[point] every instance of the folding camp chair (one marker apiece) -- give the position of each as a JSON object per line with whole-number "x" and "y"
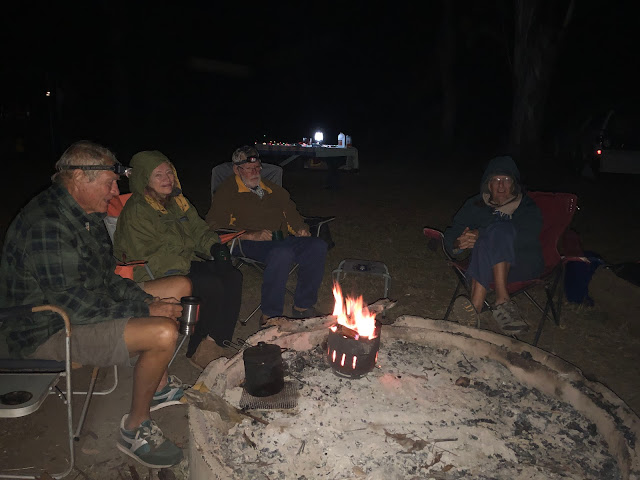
{"x": 557, "y": 211}
{"x": 26, "y": 383}
{"x": 318, "y": 226}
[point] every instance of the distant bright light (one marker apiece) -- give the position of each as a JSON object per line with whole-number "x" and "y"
{"x": 598, "y": 152}
{"x": 48, "y": 94}
{"x": 319, "y": 137}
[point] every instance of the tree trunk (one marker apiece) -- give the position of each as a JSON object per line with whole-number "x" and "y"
{"x": 536, "y": 46}
{"x": 447, "y": 53}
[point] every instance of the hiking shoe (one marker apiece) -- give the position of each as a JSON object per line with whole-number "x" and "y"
{"x": 307, "y": 313}
{"x": 171, "y": 394}
{"x": 148, "y": 445}
{"x": 509, "y": 319}
{"x": 463, "y": 312}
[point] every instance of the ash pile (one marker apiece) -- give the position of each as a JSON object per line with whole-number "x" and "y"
{"x": 423, "y": 412}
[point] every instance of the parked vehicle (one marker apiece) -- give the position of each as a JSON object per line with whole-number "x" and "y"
{"x": 617, "y": 146}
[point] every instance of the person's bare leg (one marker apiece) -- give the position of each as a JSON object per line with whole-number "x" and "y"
{"x": 177, "y": 286}
{"x": 154, "y": 340}
{"x": 500, "y": 274}
{"x": 478, "y": 294}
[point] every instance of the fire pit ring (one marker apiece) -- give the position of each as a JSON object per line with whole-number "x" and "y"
{"x": 615, "y": 422}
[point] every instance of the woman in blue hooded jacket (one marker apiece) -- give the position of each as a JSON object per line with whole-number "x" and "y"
{"x": 501, "y": 226}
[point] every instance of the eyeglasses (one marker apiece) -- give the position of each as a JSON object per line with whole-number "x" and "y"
{"x": 505, "y": 180}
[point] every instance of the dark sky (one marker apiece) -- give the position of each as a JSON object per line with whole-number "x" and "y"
{"x": 148, "y": 75}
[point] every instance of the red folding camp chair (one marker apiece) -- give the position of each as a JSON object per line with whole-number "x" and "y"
{"x": 557, "y": 211}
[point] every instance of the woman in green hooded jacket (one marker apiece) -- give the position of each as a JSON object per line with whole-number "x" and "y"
{"x": 159, "y": 225}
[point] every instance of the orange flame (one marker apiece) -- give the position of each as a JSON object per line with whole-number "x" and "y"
{"x": 354, "y": 314}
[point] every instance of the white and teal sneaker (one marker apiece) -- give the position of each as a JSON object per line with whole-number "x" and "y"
{"x": 171, "y": 394}
{"x": 148, "y": 445}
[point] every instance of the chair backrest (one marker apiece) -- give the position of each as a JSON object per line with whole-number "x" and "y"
{"x": 221, "y": 172}
{"x": 557, "y": 212}
{"x": 113, "y": 212}
{"x": 117, "y": 204}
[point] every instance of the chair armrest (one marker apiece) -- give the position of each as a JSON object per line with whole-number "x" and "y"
{"x": 227, "y": 235}
{"x": 575, "y": 259}
{"x": 317, "y": 221}
{"x": 8, "y": 312}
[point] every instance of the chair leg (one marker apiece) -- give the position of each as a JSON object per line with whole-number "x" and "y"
{"x": 455, "y": 294}
{"x": 107, "y": 391}
{"x": 538, "y": 306}
{"x": 85, "y": 406}
{"x": 246, "y": 320}
{"x": 184, "y": 338}
{"x": 549, "y": 305}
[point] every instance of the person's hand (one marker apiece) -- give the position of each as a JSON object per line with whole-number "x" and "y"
{"x": 257, "y": 236}
{"x": 165, "y": 307}
{"x": 467, "y": 239}
{"x": 303, "y": 232}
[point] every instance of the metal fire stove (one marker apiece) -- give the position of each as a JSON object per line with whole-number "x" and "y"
{"x": 351, "y": 355}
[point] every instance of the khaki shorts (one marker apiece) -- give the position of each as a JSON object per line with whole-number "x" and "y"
{"x": 99, "y": 344}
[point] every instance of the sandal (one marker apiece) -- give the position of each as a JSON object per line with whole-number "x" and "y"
{"x": 508, "y": 318}
{"x": 463, "y": 312}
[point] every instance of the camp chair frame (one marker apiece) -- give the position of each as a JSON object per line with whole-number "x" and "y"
{"x": 557, "y": 212}
{"x": 41, "y": 378}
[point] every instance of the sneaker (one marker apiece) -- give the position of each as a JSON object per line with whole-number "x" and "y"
{"x": 463, "y": 312}
{"x": 171, "y": 394}
{"x": 207, "y": 351}
{"x": 307, "y": 313}
{"x": 509, "y": 319}
{"x": 148, "y": 445}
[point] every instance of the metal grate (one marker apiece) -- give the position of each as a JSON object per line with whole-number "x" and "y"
{"x": 285, "y": 399}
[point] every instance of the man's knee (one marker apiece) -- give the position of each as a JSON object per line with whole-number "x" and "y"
{"x": 183, "y": 286}
{"x": 281, "y": 256}
{"x": 150, "y": 334}
{"x": 167, "y": 334}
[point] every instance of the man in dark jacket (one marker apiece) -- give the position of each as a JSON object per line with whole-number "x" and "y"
{"x": 501, "y": 226}
{"x": 276, "y": 234}
{"x": 57, "y": 251}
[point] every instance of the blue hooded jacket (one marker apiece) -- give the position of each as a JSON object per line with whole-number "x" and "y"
{"x": 527, "y": 218}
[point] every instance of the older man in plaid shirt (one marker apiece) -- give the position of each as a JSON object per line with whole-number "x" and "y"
{"x": 57, "y": 251}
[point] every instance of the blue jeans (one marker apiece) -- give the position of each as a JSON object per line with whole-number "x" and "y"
{"x": 495, "y": 245}
{"x": 279, "y": 256}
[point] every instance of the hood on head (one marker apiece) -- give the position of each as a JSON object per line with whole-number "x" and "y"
{"x": 142, "y": 164}
{"x": 501, "y": 166}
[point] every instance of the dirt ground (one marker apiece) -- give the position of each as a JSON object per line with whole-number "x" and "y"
{"x": 380, "y": 213}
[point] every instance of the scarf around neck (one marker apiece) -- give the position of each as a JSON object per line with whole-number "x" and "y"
{"x": 507, "y": 208}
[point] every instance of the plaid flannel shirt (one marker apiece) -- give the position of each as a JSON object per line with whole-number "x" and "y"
{"x": 55, "y": 253}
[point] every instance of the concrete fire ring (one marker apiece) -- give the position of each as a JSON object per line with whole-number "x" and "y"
{"x": 534, "y": 367}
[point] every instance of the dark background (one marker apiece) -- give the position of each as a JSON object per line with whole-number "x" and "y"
{"x": 198, "y": 79}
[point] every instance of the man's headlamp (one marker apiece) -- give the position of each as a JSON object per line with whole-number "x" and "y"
{"x": 117, "y": 168}
{"x": 251, "y": 159}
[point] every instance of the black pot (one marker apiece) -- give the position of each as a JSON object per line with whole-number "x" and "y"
{"x": 263, "y": 370}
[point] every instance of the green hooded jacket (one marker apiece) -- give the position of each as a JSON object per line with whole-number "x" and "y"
{"x": 527, "y": 218}
{"x": 167, "y": 238}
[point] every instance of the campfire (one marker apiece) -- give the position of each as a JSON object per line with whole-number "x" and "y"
{"x": 354, "y": 340}
{"x": 445, "y": 402}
